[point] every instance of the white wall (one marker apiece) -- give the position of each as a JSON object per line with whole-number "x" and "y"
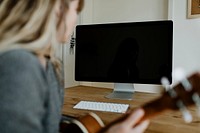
{"x": 69, "y": 65}
{"x": 186, "y": 38}
{"x": 128, "y": 10}
{"x": 102, "y": 11}
{"x": 186, "y": 31}
{"x": 68, "y": 58}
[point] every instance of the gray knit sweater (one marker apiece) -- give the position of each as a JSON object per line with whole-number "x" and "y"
{"x": 30, "y": 96}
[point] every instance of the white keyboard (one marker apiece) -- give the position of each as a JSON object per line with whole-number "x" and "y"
{"x": 102, "y": 106}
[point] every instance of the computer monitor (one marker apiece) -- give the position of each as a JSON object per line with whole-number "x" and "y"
{"x": 124, "y": 54}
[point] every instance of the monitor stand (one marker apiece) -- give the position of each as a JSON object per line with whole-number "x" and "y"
{"x": 122, "y": 91}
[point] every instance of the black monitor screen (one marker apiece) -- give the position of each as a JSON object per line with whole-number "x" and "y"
{"x": 134, "y": 52}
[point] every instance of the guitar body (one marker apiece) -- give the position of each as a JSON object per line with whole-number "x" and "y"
{"x": 89, "y": 123}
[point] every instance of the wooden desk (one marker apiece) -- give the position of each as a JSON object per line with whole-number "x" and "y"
{"x": 168, "y": 122}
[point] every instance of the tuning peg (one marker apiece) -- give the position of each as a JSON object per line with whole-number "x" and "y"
{"x": 186, "y": 114}
{"x": 180, "y": 76}
{"x": 165, "y": 82}
{"x": 196, "y": 100}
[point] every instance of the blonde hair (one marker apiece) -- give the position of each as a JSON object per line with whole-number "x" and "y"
{"x": 30, "y": 25}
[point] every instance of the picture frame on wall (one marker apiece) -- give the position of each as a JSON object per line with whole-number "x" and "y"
{"x": 193, "y": 9}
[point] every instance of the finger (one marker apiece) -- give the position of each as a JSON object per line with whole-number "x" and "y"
{"x": 134, "y": 117}
{"x": 141, "y": 127}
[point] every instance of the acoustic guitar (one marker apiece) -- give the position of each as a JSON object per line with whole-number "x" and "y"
{"x": 185, "y": 93}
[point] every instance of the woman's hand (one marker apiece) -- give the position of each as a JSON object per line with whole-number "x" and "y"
{"x": 129, "y": 124}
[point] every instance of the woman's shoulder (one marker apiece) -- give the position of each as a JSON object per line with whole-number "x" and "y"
{"x": 21, "y": 68}
{"x": 20, "y": 57}
{"x": 20, "y": 61}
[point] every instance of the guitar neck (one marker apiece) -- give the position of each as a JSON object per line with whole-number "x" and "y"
{"x": 154, "y": 108}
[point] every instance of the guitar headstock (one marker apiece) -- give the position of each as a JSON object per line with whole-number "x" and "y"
{"x": 185, "y": 93}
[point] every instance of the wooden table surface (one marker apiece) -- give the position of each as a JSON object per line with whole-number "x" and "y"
{"x": 167, "y": 122}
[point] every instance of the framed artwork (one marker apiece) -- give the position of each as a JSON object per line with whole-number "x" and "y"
{"x": 193, "y": 8}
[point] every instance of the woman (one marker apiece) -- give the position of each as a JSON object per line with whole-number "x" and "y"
{"x": 31, "y": 91}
